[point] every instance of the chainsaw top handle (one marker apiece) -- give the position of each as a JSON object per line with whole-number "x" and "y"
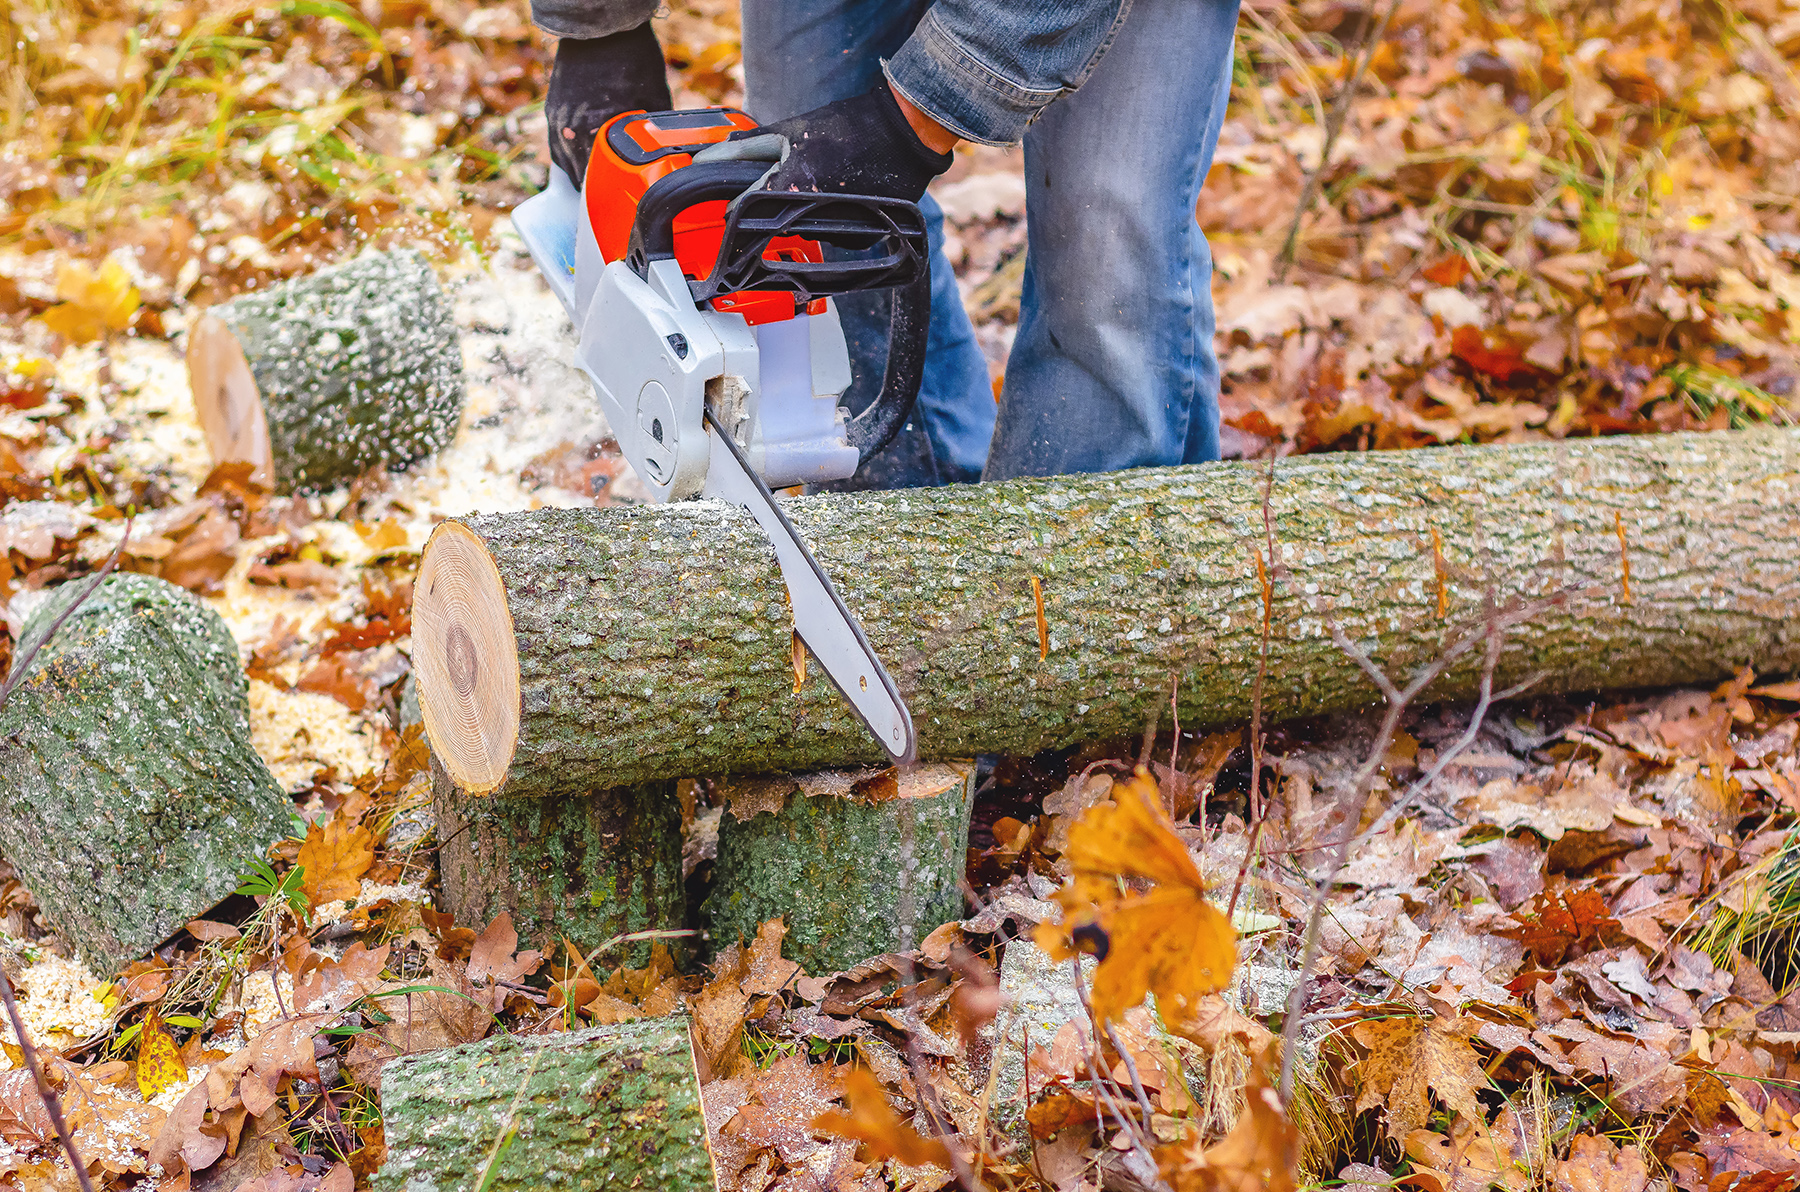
{"x": 882, "y": 241}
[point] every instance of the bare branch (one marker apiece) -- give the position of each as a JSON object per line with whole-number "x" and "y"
{"x": 1492, "y": 631}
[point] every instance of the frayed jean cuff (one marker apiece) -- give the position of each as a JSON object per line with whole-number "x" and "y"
{"x": 950, "y": 83}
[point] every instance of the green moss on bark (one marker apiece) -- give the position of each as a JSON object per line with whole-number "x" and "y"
{"x": 853, "y": 879}
{"x": 358, "y": 365}
{"x": 613, "y": 1107}
{"x": 587, "y": 867}
{"x": 130, "y": 797}
{"x": 654, "y": 642}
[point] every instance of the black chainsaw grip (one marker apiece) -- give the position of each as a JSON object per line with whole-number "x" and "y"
{"x": 653, "y": 232}
{"x": 909, "y": 327}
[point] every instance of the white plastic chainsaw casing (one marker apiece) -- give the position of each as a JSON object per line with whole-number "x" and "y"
{"x": 777, "y": 385}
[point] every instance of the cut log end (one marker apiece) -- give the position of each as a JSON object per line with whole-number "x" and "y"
{"x": 466, "y": 659}
{"x": 226, "y": 399}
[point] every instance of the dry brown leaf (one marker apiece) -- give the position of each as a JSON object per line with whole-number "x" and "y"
{"x": 1167, "y": 940}
{"x": 334, "y": 857}
{"x": 872, "y": 1122}
{"x": 1409, "y": 1058}
{"x": 1596, "y": 1164}
{"x": 1261, "y": 1153}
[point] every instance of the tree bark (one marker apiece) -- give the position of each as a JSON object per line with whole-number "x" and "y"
{"x": 855, "y": 873}
{"x": 318, "y": 379}
{"x": 583, "y": 867}
{"x": 130, "y": 796}
{"x": 653, "y": 642}
{"x": 610, "y": 1107}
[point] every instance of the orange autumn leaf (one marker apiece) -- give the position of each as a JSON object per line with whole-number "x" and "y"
{"x": 334, "y": 858}
{"x": 159, "y": 1063}
{"x": 1167, "y": 940}
{"x": 873, "y": 1122}
{"x": 1260, "y": 1154}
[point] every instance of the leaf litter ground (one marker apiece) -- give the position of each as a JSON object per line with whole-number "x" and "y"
{"x": 1567, "y": 965}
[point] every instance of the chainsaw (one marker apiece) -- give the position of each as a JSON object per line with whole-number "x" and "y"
{"x": 703, "y": 312}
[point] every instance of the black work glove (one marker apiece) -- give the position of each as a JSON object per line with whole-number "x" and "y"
{"x": 593, "y": 80}
{"x": 857, "y": 146}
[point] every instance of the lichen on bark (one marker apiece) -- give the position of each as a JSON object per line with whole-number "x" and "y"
{"x": 852, "y": 878}
{"x": 609, "y": 1107}
{"x": 583, "y": 866}
{"x": 359, "y": 366}
{"x": 654, "y": 642}
{"x": 131, "y": 799}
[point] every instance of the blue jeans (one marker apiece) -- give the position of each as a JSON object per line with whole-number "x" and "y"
{"x": 1113, "y": 365}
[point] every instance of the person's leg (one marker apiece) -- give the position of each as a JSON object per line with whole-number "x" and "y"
{"x": 1113, "y": 365}
{"x": 802, "y": 54}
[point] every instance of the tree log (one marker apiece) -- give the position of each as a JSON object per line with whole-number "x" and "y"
{"x": 855, "y": 872}
{"x": 605, "y": 647}
{"x": 318, "y": 379}
{"x": 585, "y": 867}
{"x": 131, "y": 799}
{"x": 610, "y": 1107}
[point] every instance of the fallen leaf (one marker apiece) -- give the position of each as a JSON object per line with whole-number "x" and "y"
{"x": 1261, "y": 1153}
{"x": 1168, "y": 940}
{"x": 873, "y": 1122}
{"x": 159, "y": 1065}
{"x": 93, "y": 303}
{"x": 1595, "y": 1164}
{"x": 334, "y": 858}
{"x": 1410, "y": 1058}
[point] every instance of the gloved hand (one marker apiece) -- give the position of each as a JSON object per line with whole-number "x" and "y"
{"x": 862, "y": 145}
{"x": 593, "y": 80}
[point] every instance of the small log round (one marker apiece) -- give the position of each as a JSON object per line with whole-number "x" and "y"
{"x": 318, "y": 379}
{"x": 855, "y": 873}
{"x": 131, "y": 798}
{"x": 609, "y": 1107}
{"x": 584, "y": 867}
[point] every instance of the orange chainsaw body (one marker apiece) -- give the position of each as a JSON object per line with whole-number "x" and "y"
{"x": 635, "y": 149}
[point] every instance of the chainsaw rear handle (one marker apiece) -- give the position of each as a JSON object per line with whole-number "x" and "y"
{"x": 889, "y": 235}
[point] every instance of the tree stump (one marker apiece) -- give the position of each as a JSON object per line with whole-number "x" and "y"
{"x": 609, "y": 1107}
{"x": 581, "y": 866}
{"x": 131, "y": 800}
{"x": 318, "y": 379}
{"x": 870, "y": 868}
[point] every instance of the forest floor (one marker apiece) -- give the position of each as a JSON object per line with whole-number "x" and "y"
{"x": 1568, "y": 964}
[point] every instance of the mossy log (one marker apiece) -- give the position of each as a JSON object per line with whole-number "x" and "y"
{"x": 612, "y": 646}
{"x": 610, "y": 1107}
{"x": 131, "y": 799}
{"x": 318, "y": 379}
{"x": 855, "y": 873}
{"x": 583, "y": 867}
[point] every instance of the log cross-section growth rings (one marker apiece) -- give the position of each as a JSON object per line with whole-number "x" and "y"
{"x": 467, "y": 659}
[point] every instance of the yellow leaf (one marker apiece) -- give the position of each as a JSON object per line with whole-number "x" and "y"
{"x": 334, "y": 859}
{"x": 92, "y": 303}
{"x": 159, "y": 1063}
{"x": 1167, "y": 940}
{"x": 386, "y": 536}
{"x": 1408, "y": 1060}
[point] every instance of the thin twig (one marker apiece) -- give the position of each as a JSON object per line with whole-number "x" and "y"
{"x": 1333, "y": 126}
{"x": 1104, "y": 1085}
{"x": 1265, "y": 575}
{"x": 1398, "y": 699}
{"x": 21, "y": 665}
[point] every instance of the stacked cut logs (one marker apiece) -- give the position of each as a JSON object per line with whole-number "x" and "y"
{"x": 571, "y": 652}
